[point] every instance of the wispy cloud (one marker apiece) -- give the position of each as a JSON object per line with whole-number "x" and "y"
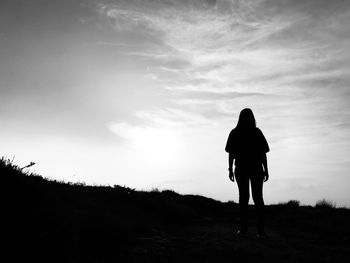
{"x": 218, "y": 56}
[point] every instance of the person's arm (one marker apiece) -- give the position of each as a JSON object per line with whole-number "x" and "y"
{"x": 230, "y": 167}
{"x": 266, "y": 170}
{"x": 230, "y": 161}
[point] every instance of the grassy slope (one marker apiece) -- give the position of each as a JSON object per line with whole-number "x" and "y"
{"x": 52, "y": 221}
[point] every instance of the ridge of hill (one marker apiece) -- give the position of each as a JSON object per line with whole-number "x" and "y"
{"x": 53, "y": 221}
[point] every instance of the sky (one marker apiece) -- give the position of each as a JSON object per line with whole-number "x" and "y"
{"x": 144, "y": 93}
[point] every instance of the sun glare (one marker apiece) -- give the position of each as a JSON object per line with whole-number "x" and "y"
{"x": 157, "y": 146}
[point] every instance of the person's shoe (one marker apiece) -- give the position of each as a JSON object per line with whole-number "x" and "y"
{"x": 261, "y": 235}
{"x": 241, "y": 233}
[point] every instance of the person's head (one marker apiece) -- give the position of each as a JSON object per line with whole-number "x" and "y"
{"x": 246, "y": 119}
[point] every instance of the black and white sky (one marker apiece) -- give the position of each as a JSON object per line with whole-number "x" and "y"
{"x": 143, "y": 93}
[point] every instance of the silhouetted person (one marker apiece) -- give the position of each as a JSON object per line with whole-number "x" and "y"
{"x": 247, "y": 147}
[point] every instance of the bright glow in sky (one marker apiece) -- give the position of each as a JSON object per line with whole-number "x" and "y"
{"x": 144, "y": 93}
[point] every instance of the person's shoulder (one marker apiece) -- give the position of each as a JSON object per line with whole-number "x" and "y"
{"x": 258, "y": 130}
{"x": 233, "y": 131}
{"x": 233, "y": 134}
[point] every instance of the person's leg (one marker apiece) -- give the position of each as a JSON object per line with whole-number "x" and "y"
{"x": 243, "y": 188}
{"x": 257, "y": 182}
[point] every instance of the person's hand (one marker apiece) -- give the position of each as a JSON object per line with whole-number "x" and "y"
{"x": 231, "y": 176}
{"x": 266, "y": 176}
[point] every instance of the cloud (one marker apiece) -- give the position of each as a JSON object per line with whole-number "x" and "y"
{"x": 282, "y": 58}
{"x": 158, "y": 121}
{"x": 172, "y": 117}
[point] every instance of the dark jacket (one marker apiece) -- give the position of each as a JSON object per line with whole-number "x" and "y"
{"x": 247, "y": 146}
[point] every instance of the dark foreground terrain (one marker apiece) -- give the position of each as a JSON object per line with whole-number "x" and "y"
{"x": 58, "y": 222}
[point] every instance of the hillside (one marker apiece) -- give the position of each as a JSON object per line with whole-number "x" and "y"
{"x": 58, "y": 222}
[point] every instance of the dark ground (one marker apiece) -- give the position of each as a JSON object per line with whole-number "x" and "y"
{"x": 57, "y": 222}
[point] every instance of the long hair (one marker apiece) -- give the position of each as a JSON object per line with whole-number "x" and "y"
{"x": 246, "y": 119}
